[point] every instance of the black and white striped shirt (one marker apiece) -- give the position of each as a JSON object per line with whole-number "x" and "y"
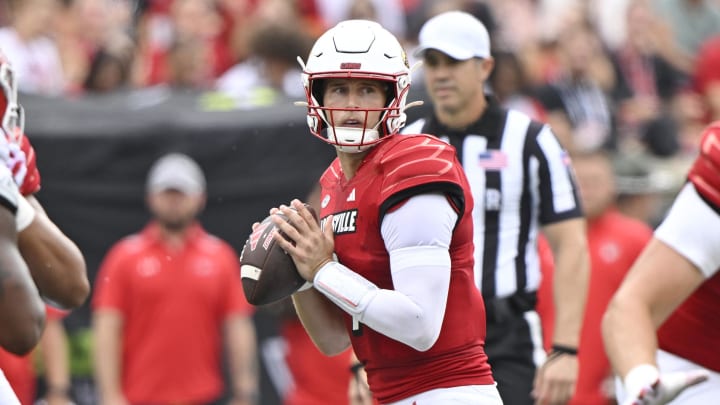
{"x": 521, "y": 179}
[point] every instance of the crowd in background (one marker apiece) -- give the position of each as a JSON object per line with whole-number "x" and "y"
{"x": 640, "y": 78}
{"x": 635, "y": 76}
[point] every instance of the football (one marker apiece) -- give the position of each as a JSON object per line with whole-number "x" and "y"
{"x": 267, "y": 272}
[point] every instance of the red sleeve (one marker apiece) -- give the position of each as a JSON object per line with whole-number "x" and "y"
{"x": 420, "y": 164}
{"x": 704, "y": 172}
{"x": 235, "y": 302}
{"x": 31, "y": 184}
{"x": 110, "y": 283}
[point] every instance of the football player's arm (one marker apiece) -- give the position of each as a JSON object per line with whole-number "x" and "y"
{"x": 412, "y": 313}
{"x": 55, "y": 262}
{"x": 681, "y": 256}
{"x": 322, "y": 320}
{"x": 22, "y": 312}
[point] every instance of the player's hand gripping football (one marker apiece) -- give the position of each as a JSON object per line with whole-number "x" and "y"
{"x": 646, "y": 386}
{"x": 311, "y": 247}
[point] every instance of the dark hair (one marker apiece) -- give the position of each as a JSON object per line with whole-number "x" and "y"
{"x": 101, "y": 61}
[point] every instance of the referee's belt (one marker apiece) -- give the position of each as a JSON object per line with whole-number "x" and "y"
{"x": 499, "y": 310}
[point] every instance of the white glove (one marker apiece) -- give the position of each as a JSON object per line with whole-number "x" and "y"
{"x": 14, "y": 159}
{"x": 646, "y": 386}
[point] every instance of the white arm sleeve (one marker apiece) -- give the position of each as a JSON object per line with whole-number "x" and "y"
{"x": 692, "y": 228}
{"x": 418, "y": 245}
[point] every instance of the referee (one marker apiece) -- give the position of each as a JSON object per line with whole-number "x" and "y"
{"x": 521, "y": 183}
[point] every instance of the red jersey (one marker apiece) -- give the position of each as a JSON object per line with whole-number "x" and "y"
{"x": 614, "y": 242}
{"x": 394, "y": 170}
{"x": 304, "y": 360}
{"x": 693, "y": 330}
{"x": 173, "y": 303}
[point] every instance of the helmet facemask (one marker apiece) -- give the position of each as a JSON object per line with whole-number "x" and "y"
{"x": 13, "y": 118}
{"x": 356, "y": 49}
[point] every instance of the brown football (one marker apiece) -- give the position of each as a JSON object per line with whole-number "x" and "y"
{"x": 267, "y": 272}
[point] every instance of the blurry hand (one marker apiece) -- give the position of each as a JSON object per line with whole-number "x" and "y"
{"x": 646, "y": 386}
{"x": 555, "y": 380}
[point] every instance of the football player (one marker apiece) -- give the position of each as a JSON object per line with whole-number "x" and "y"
{"x": 391, "y": 265}
{"x": 22, "y": 313}
{"x": 674, "y": 283}
{"x": 56, "y": 264}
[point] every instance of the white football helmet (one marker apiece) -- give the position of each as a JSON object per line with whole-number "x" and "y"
{"x": 356, "y": 49}
{"x": 12, "y": 113}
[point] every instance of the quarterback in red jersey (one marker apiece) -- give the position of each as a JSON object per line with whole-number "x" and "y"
{"x": 392, "y": 261}
{"x": 674, "y": 287}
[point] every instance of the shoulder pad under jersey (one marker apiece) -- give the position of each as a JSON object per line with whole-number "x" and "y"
{"x": 413, "y": 160}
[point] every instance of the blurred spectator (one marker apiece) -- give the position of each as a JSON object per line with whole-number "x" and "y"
{"x": 272, "y": 67}
{"x": 27, "y": 43}
{"x": 92, "y": 34}
{"x": 642, "y": 187}
{"x": 519, "y": 28}
{"x": 190, "y": 26}
{"x": 614, "y": 242}
{"x": 108, "y": 71}
{"x": 389, "y": 12}
{"x": 186, "y": 64}
{"x": 509, "y": 85}
{"x": 579, "y": 95}
{"x": 165, "y": 299}
{"x": 706, "y": 78}
{"x": 53, "y": 358}
{"x": 690, "y": 22}
{"x": 647, "y": 83}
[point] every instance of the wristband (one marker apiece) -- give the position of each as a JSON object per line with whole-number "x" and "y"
{"x": 561, "y": 349}
{"x": 24, "y": 215}
{"x": 356, "y": 367}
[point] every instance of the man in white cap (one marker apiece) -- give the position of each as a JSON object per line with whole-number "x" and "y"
{"x": 521, "y": 183}
{"x": 165, "y": 299}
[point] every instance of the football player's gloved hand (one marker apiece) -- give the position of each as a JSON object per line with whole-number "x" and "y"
{"x": 31, "y": 183}
{"x": 14, "y": 158}
{"x": 646, "y": 386}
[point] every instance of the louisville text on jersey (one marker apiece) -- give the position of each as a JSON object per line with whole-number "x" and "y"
{"x": 343, "y": 222}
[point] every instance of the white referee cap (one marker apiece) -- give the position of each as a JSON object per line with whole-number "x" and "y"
{"x": 176, "y": 171}
{"x": 455, "y": 33}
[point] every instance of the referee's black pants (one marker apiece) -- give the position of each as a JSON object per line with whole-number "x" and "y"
{"x": 512, "y": 344}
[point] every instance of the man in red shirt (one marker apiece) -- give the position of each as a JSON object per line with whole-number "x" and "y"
{"x": 614, "y": 242}
{"x": 662, "y": 327}
{"x": 392, "y": 262}
{"x": 164, "y": 300}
